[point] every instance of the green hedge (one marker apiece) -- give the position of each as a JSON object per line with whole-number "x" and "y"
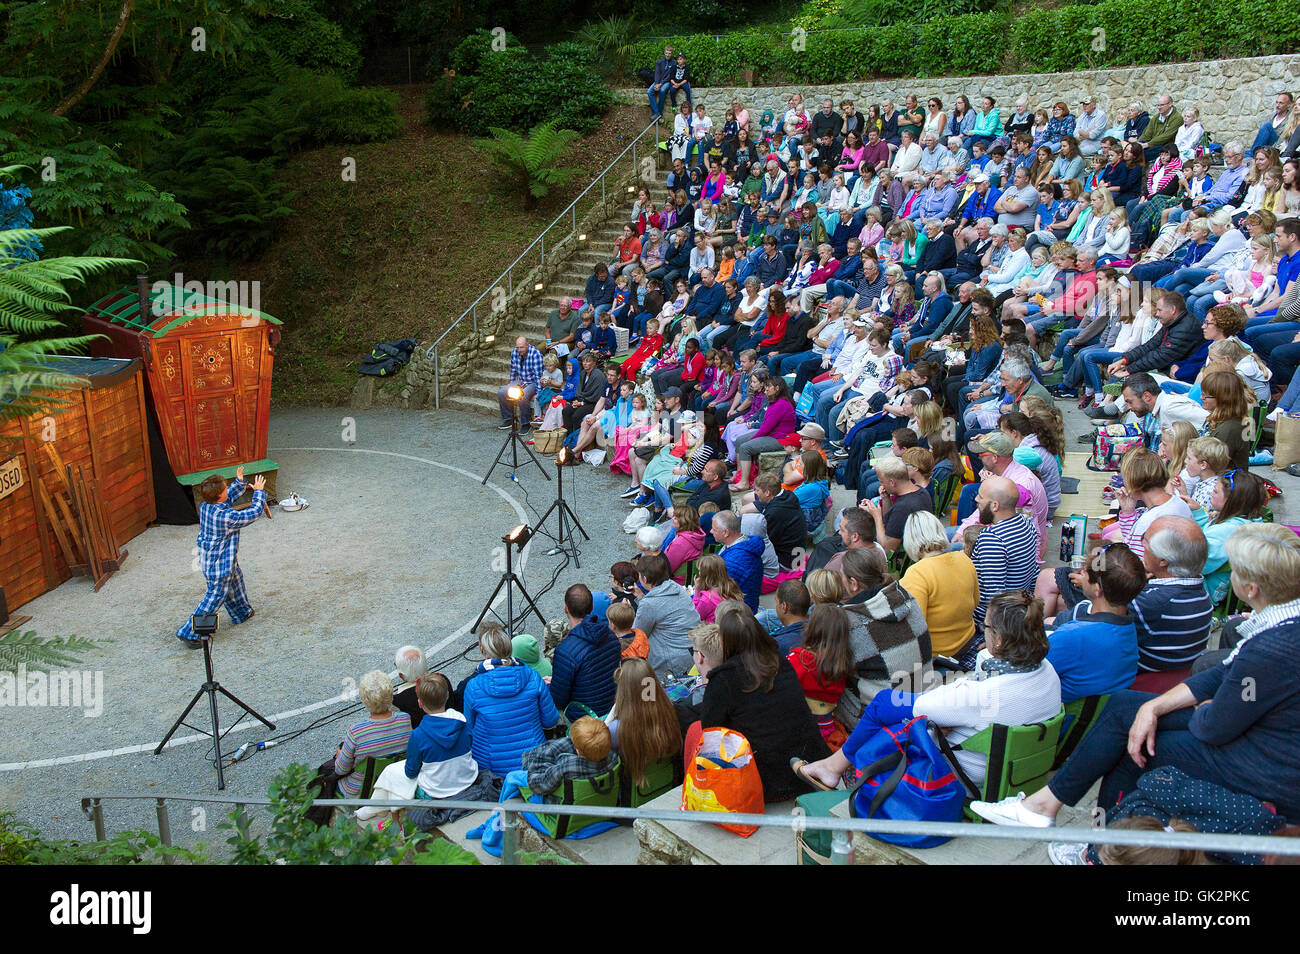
{"x": 1136, "y": 32}
{"x": 514, "y": 89}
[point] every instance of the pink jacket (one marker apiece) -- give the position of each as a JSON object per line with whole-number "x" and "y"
{"x": 706, "y": 604}
{"x": 684, "y": 548}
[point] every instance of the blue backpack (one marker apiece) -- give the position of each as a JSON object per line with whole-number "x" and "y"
{"x": 903, "y": 775}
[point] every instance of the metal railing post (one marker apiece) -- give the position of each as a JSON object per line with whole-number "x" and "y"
{"x": 164, "y": 829}
{"x": 474, "y": 317}
{"x": 95, "y": 809}
{"x": 543, "y": 251}
{"x": 437, "y": 383}
{"x": 509, "y": 838}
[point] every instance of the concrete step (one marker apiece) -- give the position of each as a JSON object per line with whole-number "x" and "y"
{"x": 455, "y": 832}
{"x": 462, "y": 402}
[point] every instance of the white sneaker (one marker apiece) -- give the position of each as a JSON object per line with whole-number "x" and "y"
{"x": 1010, "y": 811}
{"x": 1273, "y": 415}
{"x": 1068, "y": 852}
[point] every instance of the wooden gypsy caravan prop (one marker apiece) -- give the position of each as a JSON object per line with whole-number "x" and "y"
{"x": 209, "y": 361}
{"x": 75, "y": 481}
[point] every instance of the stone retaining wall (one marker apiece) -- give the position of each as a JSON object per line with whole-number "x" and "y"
{"x": 1235, "y": 96}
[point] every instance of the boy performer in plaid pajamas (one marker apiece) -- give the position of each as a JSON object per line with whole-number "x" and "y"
{"x": 218, "y": 543}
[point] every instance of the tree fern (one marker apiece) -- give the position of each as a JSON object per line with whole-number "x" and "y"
{"x": 531, "y": 161}
{"x": 41, "y": 652}
{"x": 33, "y": 301}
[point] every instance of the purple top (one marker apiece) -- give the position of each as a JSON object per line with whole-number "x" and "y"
{"x": 778, "y": 420}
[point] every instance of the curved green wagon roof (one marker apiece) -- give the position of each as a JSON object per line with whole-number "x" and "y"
{"x": 172, "y": 306}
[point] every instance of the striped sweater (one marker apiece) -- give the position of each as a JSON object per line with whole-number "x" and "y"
{"x": 1173, "y": 622}
{"x": 1005, "y": 558}
{"x": 369, "y": 737}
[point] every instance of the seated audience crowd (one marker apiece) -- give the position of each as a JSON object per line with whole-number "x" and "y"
{"x": 899, "y": 307}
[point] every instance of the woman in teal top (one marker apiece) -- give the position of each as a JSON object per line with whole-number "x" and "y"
{"x": 1239, "y": 498}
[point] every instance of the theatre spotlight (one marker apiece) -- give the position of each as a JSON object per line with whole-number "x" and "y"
{"x": 519, "y": 536}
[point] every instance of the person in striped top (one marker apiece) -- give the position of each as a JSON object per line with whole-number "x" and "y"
{"x": 385, "y": 731}
{"x": 1006, "y": 552}
{"x": 1173, "y": 610}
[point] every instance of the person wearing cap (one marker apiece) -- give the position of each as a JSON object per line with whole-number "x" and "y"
{"x": 528, "y": 651}
{"x": 997, "y": 456}
{"x": 1090, "y": 126}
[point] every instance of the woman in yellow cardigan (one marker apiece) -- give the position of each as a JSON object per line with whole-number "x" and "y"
{"x": 943, "y": 583}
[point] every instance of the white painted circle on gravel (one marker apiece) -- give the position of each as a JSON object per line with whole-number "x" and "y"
{"x": 315, "y": 706}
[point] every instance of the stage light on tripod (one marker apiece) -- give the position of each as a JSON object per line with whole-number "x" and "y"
{"x": 514, "y": 393}
{"x": 519, "y": 536}
{"x": 563, "y": 457}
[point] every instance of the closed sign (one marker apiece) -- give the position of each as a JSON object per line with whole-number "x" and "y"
{"x": 11, "y": 476}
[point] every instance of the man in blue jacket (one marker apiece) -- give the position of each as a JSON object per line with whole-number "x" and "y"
{"x": 743, "y": 556}
{"x": 707, "y": 299}
{"x": 582, "y": 669}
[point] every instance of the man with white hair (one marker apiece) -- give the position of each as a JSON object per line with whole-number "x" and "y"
{"x": 937, "y": 201}
{"x": 934, "y": 155}
{"x": 1226, "y": 183}
{"x": 410, "y": 667}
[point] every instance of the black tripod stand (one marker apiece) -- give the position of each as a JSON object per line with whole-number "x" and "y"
{"x": 211, "y": 687}
{"x": 565, "y": 541}
{"x": 519, "y": 536}
{"x": 513, "y": 441}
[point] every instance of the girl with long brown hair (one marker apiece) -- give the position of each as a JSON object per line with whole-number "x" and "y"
{"x": 643, "y": 723}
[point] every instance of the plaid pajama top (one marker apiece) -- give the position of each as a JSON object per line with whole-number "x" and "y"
{"x": 219, "y": 526}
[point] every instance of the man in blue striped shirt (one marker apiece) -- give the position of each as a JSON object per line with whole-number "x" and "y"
{"x": 1173, "y": 610}
{"x": 526, "y": 372}
{"x": 1006, "y": 551}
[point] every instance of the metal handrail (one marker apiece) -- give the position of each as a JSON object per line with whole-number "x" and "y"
{"x": 507, "y": 276}
{"x": 92, "y": 806}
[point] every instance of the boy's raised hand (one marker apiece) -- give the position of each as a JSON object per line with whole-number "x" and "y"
{"x": 259, "y": 482}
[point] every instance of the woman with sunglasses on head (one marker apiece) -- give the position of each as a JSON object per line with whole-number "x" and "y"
{"x": 1225, "y": 395}
{"x": 1238, "y": 498}
{"x": 1012, "y": 669}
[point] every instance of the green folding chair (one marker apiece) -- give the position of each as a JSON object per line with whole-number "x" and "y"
{"x": 660, "y": 777}
{"x": 374, "y": 766}
{"x": 602, "y": 791}
{"x": 1019, "y": 758}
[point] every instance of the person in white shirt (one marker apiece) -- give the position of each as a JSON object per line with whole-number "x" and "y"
{"x": 1190, "y": 133}
{"x": 908, "y": 157}
{"x": 1143, "y": 395}
{"x": 1012, "y": 684}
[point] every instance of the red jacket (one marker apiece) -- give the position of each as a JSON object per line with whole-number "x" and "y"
{"x": 774, "y": 330}
{"x": 693, "y": 367}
